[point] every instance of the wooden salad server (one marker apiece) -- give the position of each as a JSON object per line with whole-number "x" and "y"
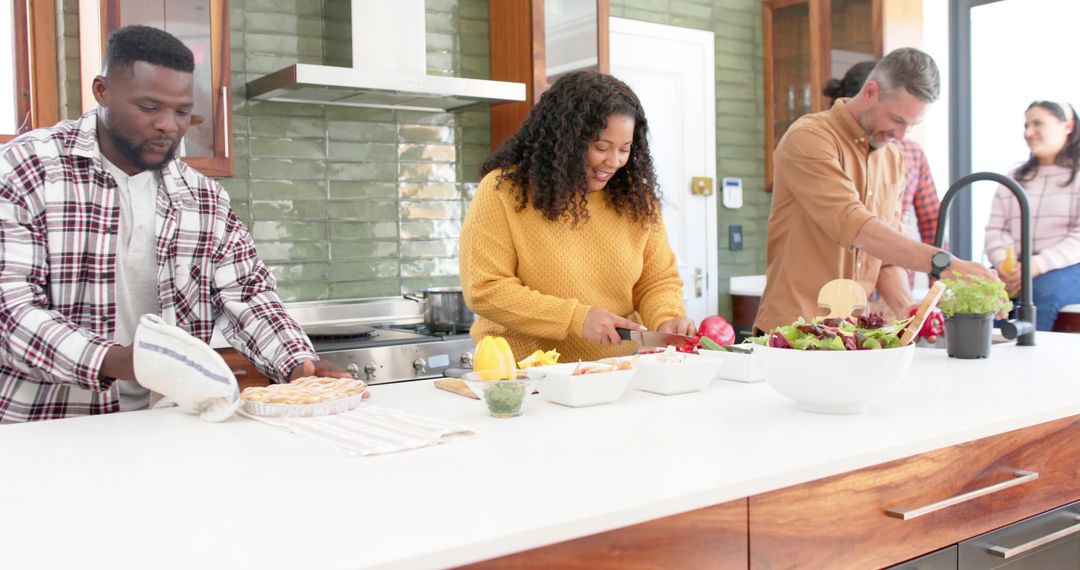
{"x": 841, "y": 297}
{"x": 928, "y": 304}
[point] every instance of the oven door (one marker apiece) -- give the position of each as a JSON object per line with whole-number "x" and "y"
{"x": 1044, "y": 542}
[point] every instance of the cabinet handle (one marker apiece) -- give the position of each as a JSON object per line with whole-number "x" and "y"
{"x": 239, "y": 373}
{"x": 1007, "y": 553}
{"x": 1019, "y": 478}
{"x": 225, "y": 117}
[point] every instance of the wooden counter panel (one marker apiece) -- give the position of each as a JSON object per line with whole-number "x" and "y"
{"x": 840, "y": 522}
{"x": 713, "y": 537}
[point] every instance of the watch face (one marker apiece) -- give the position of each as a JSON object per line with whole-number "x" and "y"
{"x": 941, "y": 260}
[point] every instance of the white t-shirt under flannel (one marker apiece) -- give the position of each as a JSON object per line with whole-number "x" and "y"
{"x": 136, "y": 266}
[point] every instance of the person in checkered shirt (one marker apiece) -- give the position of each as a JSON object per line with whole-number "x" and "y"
{"x": 101, "y": 223}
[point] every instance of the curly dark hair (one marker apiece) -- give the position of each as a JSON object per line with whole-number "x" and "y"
{"x": 545, "y": 158}
{"x": 143, "y": 43}
{"x": 1069, "y": 156}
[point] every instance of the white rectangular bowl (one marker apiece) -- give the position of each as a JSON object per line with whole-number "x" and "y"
{"x": 558, "y": 386}
{"x": 693, "y": 374}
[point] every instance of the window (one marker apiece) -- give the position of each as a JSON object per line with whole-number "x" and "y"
{"x": 1009, "y": 53}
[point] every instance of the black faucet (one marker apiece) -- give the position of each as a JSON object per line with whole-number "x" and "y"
{"x": 1021, "y": 328}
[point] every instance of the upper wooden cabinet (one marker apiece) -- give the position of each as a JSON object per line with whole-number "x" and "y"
{"x": 806, "y": 43}
{"x": 203, "y": 26}
{"x": 521, "y": 34}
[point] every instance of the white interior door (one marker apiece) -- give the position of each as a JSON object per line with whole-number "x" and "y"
{"x": 671, "y": 69}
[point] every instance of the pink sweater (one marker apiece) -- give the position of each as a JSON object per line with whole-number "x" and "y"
{"x": 1055, "y": 220}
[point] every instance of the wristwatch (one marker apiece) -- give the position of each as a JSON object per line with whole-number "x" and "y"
{"x": 939, "y": 263}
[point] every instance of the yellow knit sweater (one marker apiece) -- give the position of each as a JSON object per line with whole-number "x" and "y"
{"x": 533, "y": 280}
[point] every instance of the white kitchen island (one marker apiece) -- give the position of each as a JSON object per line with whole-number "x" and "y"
{"x": 163, "y": 489}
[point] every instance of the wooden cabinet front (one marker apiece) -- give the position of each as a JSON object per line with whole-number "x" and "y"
{"x": 245, "y": 372}
{"x": 843, "y": 521}
{"x": 713, "y": 537}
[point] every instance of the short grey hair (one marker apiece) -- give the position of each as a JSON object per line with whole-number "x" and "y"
{"x": 911, "y": 69}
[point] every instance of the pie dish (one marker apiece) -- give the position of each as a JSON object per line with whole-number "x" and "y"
{"x": 308, "y": 396}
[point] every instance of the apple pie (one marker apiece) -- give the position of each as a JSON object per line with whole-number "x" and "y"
{"x": 307, "y": 390}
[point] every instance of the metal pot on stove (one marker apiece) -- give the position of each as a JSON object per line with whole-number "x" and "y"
{"x": 444, "y": 309}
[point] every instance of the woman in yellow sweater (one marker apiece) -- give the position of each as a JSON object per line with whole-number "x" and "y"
{"x": 564, "y": 241}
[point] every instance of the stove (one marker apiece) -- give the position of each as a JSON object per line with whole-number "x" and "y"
{"x": 383, "y": 344}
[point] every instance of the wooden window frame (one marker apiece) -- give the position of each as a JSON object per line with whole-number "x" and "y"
{"x": 37, "y": 95}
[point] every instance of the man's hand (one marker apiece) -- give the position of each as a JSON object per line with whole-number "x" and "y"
{"x": 323, "y": 368}
{"x": 600, "y": 325}
{"x": 119, "y": 363}
{"x": 968, "y": 268}
{"x": 678, "y": 325}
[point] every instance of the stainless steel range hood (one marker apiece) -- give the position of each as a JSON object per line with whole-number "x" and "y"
{"x": 389, "y": 69}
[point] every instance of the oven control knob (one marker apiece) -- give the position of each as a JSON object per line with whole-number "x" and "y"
{"x": 466, "y": 359}
{"x": 369, "y": 369}
{"x": 419, "y": 365}
{"x": 354, "y": 370}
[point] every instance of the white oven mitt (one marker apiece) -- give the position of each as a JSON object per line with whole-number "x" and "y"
{"x": 184, "y": 370}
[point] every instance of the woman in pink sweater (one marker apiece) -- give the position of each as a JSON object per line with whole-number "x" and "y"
{"x": 1050, "y": 178}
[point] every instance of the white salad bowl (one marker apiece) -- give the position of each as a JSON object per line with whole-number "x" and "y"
{"x": 693, "y": 374}
{"x": 561, "y": 387}
{"x": 834, "y": 381}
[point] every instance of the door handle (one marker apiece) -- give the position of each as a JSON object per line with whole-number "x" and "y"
{"x": 1007, "y": 553}
{"x": 225, "y": 118}
{"x": 698, "y": 278}
{"x": 1019, "y": 478}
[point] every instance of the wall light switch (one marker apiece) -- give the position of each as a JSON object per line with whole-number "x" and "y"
{"x": 735, "y": 238}
{"x": 732, "y": 192}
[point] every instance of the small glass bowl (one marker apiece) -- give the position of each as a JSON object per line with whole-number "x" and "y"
{"x": 504, "y": 391}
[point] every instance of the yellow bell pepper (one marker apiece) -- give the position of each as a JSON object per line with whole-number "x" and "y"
{"x": 493, "y": 353}
{"x": 1009, "y": 265}
{"x": 540, "y": 358}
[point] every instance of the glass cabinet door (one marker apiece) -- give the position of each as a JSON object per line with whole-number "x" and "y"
{"x": 792, "y": 68}
{"x": 852, "y": 34}
{"x": 806, "y": 43}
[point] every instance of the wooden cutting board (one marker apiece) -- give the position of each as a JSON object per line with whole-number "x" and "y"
{"x": 457, "y": 386}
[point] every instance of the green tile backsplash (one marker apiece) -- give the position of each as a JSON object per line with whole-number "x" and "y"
{"x": 353, "y": 202}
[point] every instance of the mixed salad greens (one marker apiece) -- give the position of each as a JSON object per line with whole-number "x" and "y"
{"x": 866, "y": 332}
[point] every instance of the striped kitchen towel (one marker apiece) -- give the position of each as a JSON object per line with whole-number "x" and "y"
{"x": 371, "y": 430}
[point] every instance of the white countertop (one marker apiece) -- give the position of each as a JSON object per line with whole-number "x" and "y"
{"x": 163, "y": 489}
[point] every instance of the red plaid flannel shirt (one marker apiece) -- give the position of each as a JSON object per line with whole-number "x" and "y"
{"x": 59, "y": 215}
{"x": 919, "y": 190}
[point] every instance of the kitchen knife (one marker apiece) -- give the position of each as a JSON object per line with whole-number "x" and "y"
{"x": 655, "y": 339}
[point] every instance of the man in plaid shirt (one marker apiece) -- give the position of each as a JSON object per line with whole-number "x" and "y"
{"x": 99, "y": 222}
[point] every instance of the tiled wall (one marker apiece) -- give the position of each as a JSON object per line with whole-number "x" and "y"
{"x": 740, "y": 136}
{"x": 348, "y": 202}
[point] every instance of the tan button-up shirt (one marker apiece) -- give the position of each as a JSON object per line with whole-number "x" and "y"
{"x": 827, "y": 184}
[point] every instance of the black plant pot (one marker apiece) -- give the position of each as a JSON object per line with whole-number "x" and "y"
{"x": 967, "y": 335}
